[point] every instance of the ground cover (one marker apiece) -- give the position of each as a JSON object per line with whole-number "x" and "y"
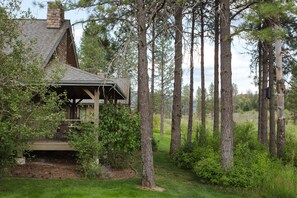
{"x": 176, "y": 182}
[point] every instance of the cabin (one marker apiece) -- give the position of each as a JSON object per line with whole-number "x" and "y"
{"x": 53, "y": 40}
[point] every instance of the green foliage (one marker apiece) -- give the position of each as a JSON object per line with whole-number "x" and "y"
{"x": 85, "y": 140}
{"x": 280, "y": 182}
{"x": 28, "y": 108}
{"x": 96, "y": 49}
{"x": 209, "y": 168}
{"x": 245, "y": 133}
{"x": 250, "y": 167}
{"x": 154, "y": 144}
{"x": 119, "y": 134}
{"x": 290, "y": 157}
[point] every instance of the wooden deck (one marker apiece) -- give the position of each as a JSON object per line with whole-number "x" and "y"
{"x": 50, "y": 145}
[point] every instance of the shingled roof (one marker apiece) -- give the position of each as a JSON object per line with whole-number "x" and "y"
{"x": 45, "y": 40}
{"x": 72, "y": 76}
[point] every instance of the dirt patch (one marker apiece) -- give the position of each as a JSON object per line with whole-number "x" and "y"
{"x": 49, "y": 165}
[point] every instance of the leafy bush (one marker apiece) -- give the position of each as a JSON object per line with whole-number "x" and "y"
{"x": 184, "y": 157}
{"x": 250, "y": 167}
{"x": 246, "y": 134}
{"x": 7, "y": 148}
{"x": 154, "y": 144}
{"x": 119, "y": 134}
{"x": 85, "y": 140}
{"x": 291, "y": 151}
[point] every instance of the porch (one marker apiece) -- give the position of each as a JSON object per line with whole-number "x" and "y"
{"x": 79, "y": 86}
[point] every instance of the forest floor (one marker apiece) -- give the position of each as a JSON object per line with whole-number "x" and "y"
{"x": 60, "y": 165}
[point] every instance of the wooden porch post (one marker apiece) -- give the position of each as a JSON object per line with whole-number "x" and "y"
{"x": 96, "y": 107}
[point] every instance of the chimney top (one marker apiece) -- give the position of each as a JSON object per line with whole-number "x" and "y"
{"x": 55, "y": 15}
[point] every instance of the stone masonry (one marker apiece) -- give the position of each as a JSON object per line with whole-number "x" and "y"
{"x": 55, "y": 15}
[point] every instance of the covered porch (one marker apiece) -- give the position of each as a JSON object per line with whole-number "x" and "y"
{"x": 78, "y": 86}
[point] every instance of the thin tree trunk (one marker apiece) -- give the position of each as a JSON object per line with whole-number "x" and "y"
{"x": 264, "y": 134}
{"x": 190, "y": 120}
{"x": 226, "y": 88}
{"x": 153, "y": 74}
{"x": 272, "y": 149}
{"x": 176, "y": 107}
{"x": 216, "y": 107}
{"x": 202, "y": 138}
{"x": 281, "y": 134}
{"x": 148, "y": 175}
{"x": 259, "y": 90}
{"x": 162, "y": 94}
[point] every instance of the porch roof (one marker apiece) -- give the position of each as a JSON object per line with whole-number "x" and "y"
{"x": 72, "y": 78}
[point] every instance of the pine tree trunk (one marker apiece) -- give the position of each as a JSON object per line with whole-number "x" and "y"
{"x": 259, "y": 90}
{"x": 216, "y": 73}
{"x": 153, "y": 75}
{"x": 202, "y": 138}
{"x": 264, "y": 134}
{"x": 148, "y": 177}
{"x": 176, "y": 107}
{"x": 226, "y": 88}
{"x": 281, "y": 138}
{"x": 190, "y": 120}
{"x": 272, "y": 149}
{"x": 162, "y": 94}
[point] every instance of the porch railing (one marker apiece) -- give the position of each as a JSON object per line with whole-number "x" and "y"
{"x": 63, "y": 129}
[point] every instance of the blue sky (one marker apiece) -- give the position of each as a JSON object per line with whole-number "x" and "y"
{"x": 240, "y": 59}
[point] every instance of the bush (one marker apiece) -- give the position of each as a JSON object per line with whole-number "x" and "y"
{"x": 291, "y": 151}
{"x": 119, "y": 134}
{"x": 250, "y": 167}
{"x": 246, "y": 134}
{"x": 85, "y": 140}
{"x": 184, "y": 157}
{"x": 7, "y": 148}
{"x": 154, "y": 144}
{"x": 209, "y": 168}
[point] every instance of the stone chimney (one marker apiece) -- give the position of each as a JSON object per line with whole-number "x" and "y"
{"x": 55, "y": 15}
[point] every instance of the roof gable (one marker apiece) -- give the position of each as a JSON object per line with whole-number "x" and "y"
{"x": 45, "y": 40}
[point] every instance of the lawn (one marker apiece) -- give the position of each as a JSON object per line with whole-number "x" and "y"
{"x": 176, "y": 182}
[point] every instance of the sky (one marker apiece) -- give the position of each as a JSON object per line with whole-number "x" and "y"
{"x": 240, "y": 59}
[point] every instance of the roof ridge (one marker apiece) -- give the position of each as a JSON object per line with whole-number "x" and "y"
{"x": 88, "y": 73}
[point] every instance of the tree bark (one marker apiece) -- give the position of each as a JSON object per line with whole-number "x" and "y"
{"x": 202, "y": 138}
{"x": 148, "y": 175}
{"x": 216, "y": 107}
{"x": 281, "y": 134}
{"x": 190, "y": 120}
{"x": 272, "y": 149}
{"x": 176, "y": 107}
{"x": 153, "y": 75}
{"x": 259, "y": 90}
{"x": 226, "y": 88}
{"x": 162, "y": 94}
{"x": 264, "y": 134}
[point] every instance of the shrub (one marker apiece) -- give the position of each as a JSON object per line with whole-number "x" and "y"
{"x": 85, "y": 140}
{"x": 154, "y": 144}
{"x": 119, "y": 134}
{"x": 291, "y": 151}
{"x": 184, "y": 157}
{"x": 7, "y": 148}
{"x": 209, "y": 168}
{"x": 246, "y": 134}
{"x": 250, "y": 167}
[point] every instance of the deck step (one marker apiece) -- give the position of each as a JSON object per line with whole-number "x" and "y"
{"x": 50, "y": 146}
